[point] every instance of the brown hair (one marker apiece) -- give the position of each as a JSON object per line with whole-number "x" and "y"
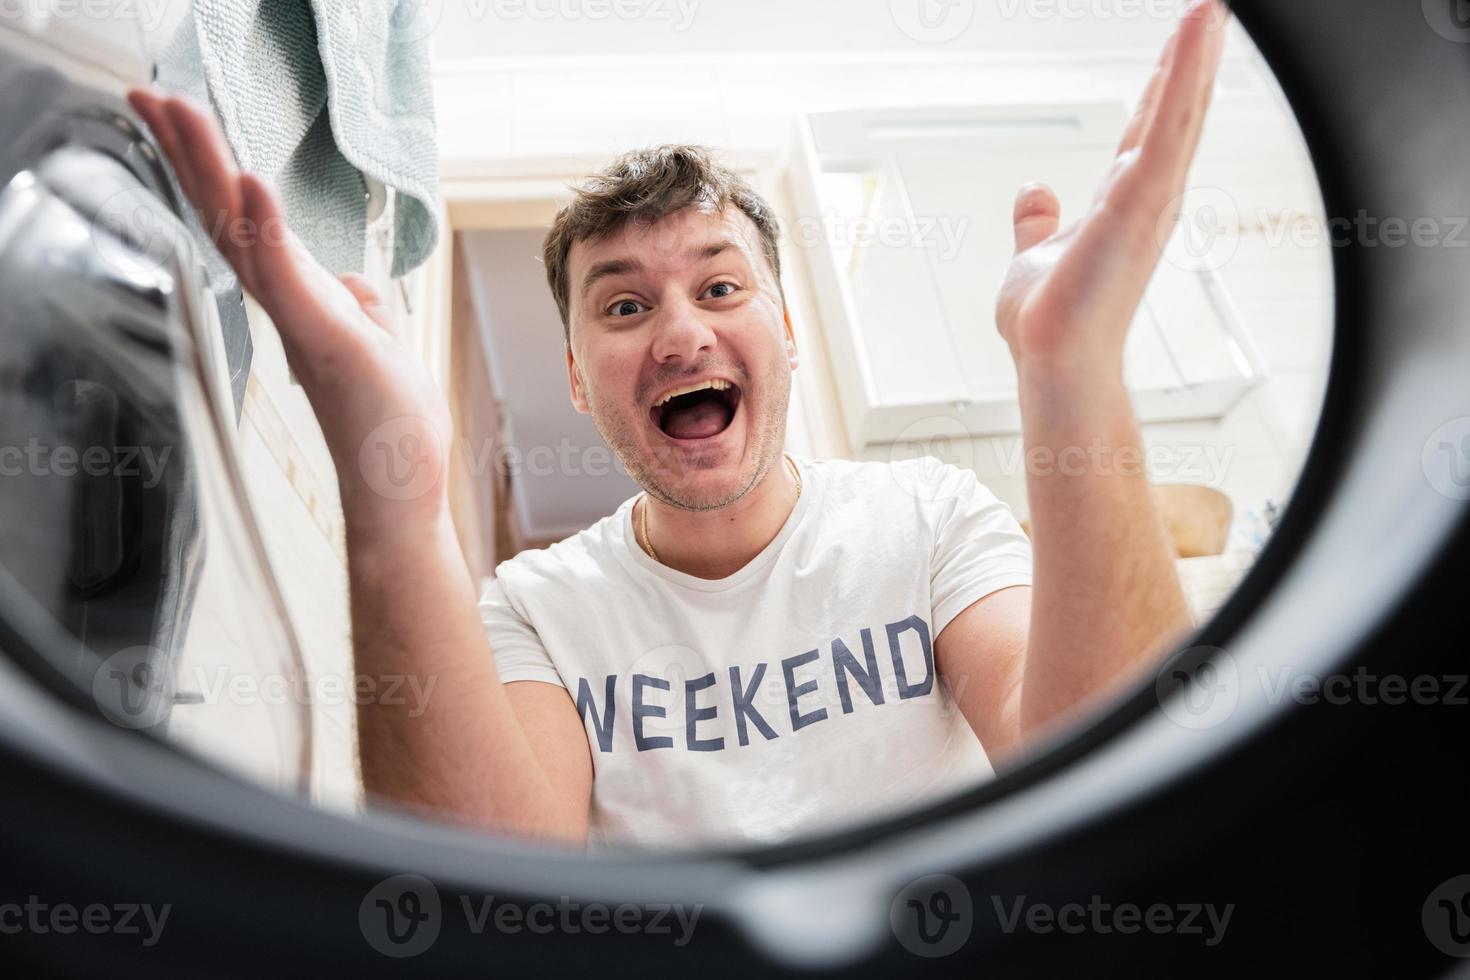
{"x": 649, "y": 185}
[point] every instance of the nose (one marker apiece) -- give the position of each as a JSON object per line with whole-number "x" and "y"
{"x": 681, "y": 332}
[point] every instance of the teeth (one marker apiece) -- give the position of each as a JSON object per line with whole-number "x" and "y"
{"x": 713, "y": 384}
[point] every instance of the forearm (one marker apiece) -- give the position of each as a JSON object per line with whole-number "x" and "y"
{"x": 460, "y": 752}
{"x": 1107, "y": 597}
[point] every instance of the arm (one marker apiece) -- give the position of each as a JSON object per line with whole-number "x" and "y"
{"x": 1106, "y": 598}
{"x": 512, "y": 758}
{"x": 507, "y": 757}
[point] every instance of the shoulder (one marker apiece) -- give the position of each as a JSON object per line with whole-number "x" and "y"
{"x": 587, "y": 557}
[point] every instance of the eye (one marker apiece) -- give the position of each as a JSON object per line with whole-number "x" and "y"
{"x": 721, "y": 289}
{"x": 625, "y": 307}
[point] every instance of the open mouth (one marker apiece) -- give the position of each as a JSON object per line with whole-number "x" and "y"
{"x": 701, "y": 410}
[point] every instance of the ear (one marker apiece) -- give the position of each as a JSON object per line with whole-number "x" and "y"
{"x": 574, "y": 379}
{"x": 791, "y": 355}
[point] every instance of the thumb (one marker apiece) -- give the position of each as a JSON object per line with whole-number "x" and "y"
{"x": 1038, "y": 214}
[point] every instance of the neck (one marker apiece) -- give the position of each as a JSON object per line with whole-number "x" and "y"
{"x": 715, "y": 544}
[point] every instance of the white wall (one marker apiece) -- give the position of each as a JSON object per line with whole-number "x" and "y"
{"x": 649, "y": 29}
{"x": 735, "y": 79}
{"x": 563, "y": 476}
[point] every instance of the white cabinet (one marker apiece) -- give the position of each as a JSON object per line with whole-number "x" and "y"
{"x": 905, "y": 215}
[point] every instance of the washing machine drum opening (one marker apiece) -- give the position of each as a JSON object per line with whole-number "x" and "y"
{"x": 99, "y": 520}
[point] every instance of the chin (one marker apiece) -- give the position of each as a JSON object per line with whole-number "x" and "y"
{"x": 703, "y": 483}
{"x": 693, "y": 466}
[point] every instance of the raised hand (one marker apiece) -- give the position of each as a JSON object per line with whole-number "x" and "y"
{"x": 1069, "y": 296}
{"x": 382, "y": 415}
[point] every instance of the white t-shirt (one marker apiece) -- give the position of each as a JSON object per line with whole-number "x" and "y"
{"x": 798, "y": 694}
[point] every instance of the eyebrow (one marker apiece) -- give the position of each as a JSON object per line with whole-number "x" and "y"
{"x": 622, "y": 267}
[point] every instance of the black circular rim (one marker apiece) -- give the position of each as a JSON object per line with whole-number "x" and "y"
{"x": 1378, "y": 134}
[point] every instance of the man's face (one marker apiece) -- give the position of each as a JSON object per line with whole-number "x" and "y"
{"x": 659, "y": 308}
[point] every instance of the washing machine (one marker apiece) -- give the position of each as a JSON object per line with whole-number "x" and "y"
{"x": 127, "y": 549}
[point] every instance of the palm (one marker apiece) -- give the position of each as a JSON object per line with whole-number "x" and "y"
{"x": 1072, "y": 293}
{"x": 336, "y": 332}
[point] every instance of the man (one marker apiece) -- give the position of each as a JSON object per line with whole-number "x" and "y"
{"x": 757, "y": 646}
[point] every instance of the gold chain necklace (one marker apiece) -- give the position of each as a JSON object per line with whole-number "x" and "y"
{"x": 643, "y": 521}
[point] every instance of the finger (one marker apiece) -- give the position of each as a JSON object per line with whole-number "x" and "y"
{"x": 306, "y": 315}
{"x": 1037, "y": 215}
{"x": 371, "y": 301}
{"x": 149, "y": 105}
{"x": 1148, "y": 103}
{"x": 1172, "y": 136}
{"x": 277, "y": 277}
{"x": 216, "y": 177}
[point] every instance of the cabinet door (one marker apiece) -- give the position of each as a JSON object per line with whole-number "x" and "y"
{"x": 912, "y": 214}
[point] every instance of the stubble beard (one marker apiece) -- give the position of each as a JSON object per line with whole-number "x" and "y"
{"x": 621, "y": 434}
